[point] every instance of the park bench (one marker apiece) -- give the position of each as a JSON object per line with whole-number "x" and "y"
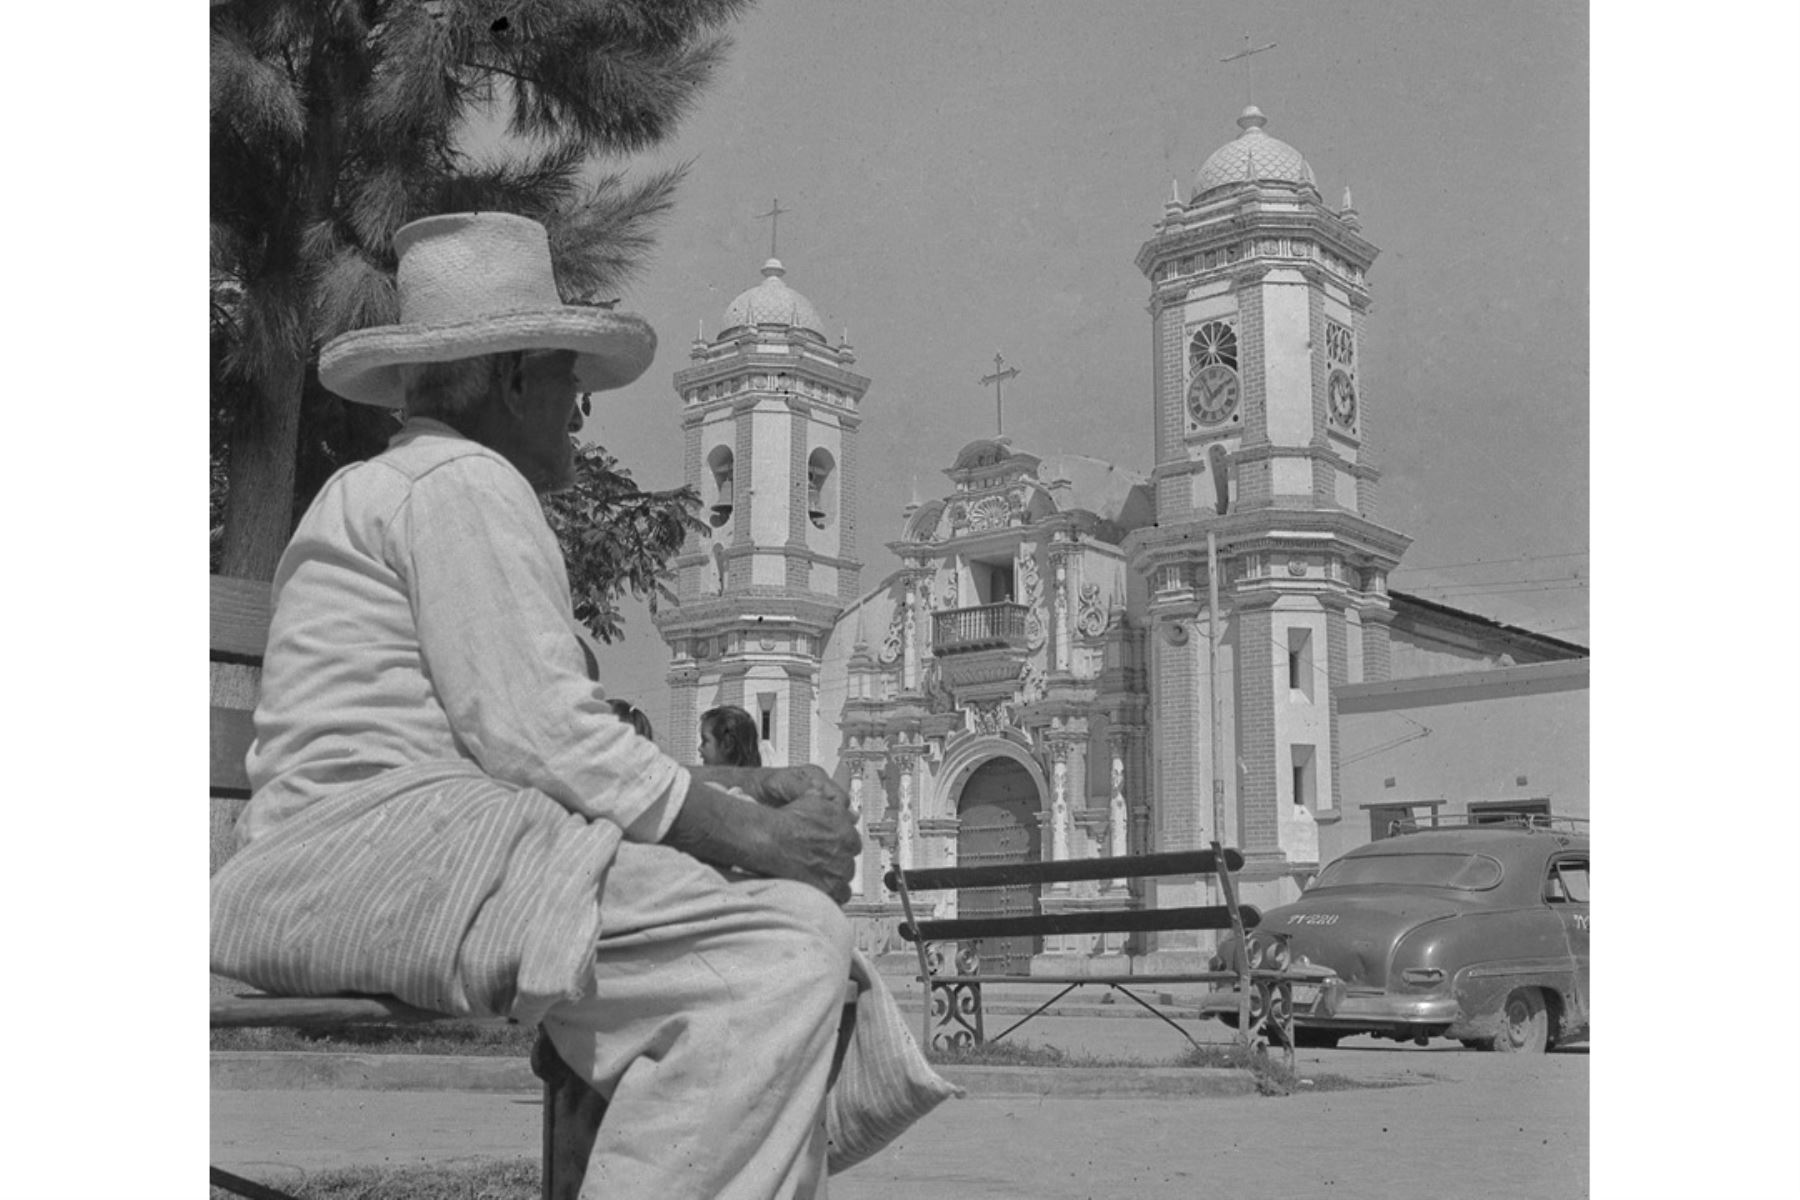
{"x": 240, "y": 611}
{"x": 1259, "y": 972}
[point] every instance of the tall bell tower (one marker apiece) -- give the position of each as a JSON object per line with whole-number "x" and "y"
{"x": 1262, "y": 427}
{"x": 770, "y": 411}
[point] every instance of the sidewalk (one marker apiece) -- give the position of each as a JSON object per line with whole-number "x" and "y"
{"x": 1451, "y": 1125}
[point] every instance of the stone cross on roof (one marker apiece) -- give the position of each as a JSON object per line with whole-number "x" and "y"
{"x": 1247, "y": 54}
{"x": 773, "y": 216}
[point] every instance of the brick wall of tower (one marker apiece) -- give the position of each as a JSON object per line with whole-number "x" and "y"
{"x": 1337, "y": 640}
{"x": 688, "y": 584}
{"x": 1254, "y": 484}
{"x": 1368, "y": 490}
{"x": 1174, "y": 494}
{"x": 680, "y": 733}
{"x": 1175, "y": 700}
{"x": 1324, "y": 471}
{"x": 738, "y": 573}
{"x": 799, "y": 567}
{"x": 848, "y": 576}
{"x": 1257, "y": 796}
{"x": 801, "y": 691}
{"x": 1378, "y": 659}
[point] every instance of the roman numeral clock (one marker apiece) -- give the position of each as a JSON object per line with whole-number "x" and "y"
{"x": 1213, "y": 393}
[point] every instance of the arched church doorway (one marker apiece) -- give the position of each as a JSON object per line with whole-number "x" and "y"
{"x": 999, "y": 808}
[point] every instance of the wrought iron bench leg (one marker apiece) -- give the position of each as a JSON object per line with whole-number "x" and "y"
{"x": 572, "y": 1115}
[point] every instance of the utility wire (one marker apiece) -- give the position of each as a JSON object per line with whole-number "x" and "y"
{"x": 1488, "y": 562}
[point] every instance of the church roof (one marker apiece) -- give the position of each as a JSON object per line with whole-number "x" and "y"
{"x": 773, "y": 302}
{"x": 1251, "y": 156}
{"x": 1086, "y": 484}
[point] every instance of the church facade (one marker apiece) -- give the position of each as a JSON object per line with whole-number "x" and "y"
{"x": 1074, "y": 660}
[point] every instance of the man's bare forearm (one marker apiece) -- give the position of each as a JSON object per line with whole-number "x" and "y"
{"x": 720, "y": 828}
{"x": 800, "y": 828}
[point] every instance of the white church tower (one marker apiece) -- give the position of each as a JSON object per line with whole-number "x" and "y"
{"x": 770, "y": 417}
{"x": 1262, "y": 432}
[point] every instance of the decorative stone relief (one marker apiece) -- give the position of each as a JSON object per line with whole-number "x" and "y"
{"x": 1031, "y": 595}
{"x": 938, "y": 695}
{"x": 1116, "y": 808}
{"x": 862, "y": 831}
{"x": 1090, "y": 618}
{"x": 989, "y": 512}
{"x": 906, "y": 826}
{"x": 988, "y": 717}
{"x": 1031, "y": 683}
{"x": 890, "y": 645}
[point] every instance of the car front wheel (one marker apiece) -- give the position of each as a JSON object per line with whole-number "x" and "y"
{"x": 1524, "y": 1024}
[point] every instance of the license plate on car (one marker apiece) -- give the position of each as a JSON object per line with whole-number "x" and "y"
{"x": 1305, "y": 995}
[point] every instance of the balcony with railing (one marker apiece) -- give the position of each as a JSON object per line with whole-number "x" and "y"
{"x": 984, "y": 627}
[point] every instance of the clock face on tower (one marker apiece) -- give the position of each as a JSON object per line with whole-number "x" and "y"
{"x": 1213, "y": 394}
{"x": 1343, "y": 400}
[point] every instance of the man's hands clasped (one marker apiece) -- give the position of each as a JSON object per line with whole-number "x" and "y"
{"x": 801, "y": 827}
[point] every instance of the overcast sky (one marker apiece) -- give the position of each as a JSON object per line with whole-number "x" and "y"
{"x": 966, "y": 178}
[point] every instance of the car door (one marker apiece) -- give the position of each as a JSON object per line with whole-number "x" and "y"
{"x": 1566, "y": 893}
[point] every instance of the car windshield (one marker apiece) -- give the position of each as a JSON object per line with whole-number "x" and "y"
{"x": 1465, "y": 872}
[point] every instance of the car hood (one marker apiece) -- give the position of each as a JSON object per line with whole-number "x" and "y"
{"x": 1353, "y": 930}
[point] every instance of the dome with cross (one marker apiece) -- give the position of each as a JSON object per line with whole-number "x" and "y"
{"x": 773, "y": 302}
{"x": 1251, "y": 156}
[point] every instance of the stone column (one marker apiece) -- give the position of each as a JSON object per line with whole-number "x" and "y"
{"x": 1059, "y": 604}
{"x": 1119, "y": 843}
{"x": 905, "y": 818}
{"x": 1059, "y": 804}
{"x": 909, "y": 636}
{"x": 862, "y": 826}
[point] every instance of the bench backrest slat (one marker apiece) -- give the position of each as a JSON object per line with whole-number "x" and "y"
{"x": 1139, "y": 920}
{"x": 240, "y": 619}
{"x": 1136, "y": 866}
{"x": 232, "y": 732}
{"x": 240, "y": 629}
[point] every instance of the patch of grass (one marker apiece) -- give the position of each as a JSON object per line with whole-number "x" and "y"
{"x": 1273, "y": 1078}
{"x": 1018, "y": 1054}
{"x": 496, "y": 1039}
{"x": 504, "y": 1179}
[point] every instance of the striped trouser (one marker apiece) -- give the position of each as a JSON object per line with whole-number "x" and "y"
{"x": 709, "y": 1024}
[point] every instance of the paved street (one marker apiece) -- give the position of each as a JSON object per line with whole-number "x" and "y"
{"x": 1455, "y": 1124}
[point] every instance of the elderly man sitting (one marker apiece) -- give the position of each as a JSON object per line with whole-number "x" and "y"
{"x": 446, "y": 808}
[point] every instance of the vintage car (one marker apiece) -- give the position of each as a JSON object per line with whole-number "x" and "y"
{"x": 1478, "y": 933}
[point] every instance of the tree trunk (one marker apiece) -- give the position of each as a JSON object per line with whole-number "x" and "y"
{"x": 259, "y": 509}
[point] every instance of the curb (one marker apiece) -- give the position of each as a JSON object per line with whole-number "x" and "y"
{"x": 301, "y": 1070}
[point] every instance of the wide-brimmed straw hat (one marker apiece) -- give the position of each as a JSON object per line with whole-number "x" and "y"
{"x": 481, "y": 283}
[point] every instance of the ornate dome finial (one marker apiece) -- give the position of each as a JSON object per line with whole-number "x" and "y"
{"x": 1252, "y": 156}
{"x": 773, "y": 302}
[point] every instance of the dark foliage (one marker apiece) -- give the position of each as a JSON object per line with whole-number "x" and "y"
{"x": 332, "y": 125}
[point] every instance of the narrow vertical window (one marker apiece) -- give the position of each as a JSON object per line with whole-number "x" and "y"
{"x": 820, "y": 487}
{"x": 1305, "y": 777}
{"x": 722, "y": 466}
{"x": 766, "y": 703}
{"x": 1300, "y": 661}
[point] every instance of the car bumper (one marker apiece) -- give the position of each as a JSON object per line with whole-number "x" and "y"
{"x": 1315, "y": 995}
{"x": 1349, "y": 1012}
{"x": 1380, "y": 1010}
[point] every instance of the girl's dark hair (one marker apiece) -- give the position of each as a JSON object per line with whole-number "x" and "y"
{"x": 735, "y": 732}
{"x": 629, "y": 713}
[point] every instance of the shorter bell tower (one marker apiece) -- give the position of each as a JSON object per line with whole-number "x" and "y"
{"x": 770, "y": 412}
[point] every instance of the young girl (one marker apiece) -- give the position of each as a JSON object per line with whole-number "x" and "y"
{"x": 728, "y": 738}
